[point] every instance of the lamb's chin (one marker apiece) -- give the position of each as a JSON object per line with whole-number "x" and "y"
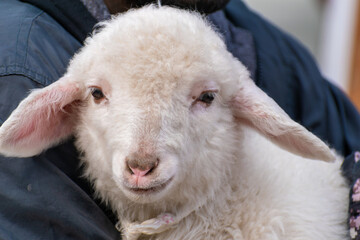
{"x": 147, "y": 195}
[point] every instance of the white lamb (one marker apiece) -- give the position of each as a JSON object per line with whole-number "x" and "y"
{"x": 164, "y": 116}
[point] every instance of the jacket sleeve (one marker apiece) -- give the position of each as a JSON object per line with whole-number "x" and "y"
{"x": 43, "y": 197}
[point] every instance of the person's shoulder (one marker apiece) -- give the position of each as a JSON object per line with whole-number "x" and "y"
{"x": 239, "y": 41}
{"x": 33, "y": 43}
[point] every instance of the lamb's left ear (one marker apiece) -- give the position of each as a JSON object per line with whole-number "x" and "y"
{"x": 254, "y": 107}
{"x": 42, "y": 120}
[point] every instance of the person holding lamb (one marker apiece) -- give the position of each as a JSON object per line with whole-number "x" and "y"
{"x": 44, "y": 196}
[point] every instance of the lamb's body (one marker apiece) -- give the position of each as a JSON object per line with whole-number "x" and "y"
{"x": 290, "y": 194}
{"x": 164, "y": 117}
{"x": 269, "y": 194}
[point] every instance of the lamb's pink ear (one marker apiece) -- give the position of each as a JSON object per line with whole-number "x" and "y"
{"x": 253, "y": 106}
{"x": 42, "y": 120}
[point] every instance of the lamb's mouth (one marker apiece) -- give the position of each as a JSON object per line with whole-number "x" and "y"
{"x": 152, "y": 189}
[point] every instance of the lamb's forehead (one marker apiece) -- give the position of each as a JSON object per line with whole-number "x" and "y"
{"x": 156, "y": 28}
{"x": 152, "y": 47}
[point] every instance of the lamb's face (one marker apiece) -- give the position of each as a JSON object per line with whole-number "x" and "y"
{"x": 154, "y": 134}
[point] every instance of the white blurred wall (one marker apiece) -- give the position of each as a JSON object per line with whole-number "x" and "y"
{"x": 325, "y": 27}
{"x": 336, "y": 40}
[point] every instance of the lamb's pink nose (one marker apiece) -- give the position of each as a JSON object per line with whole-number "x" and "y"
{"x": 139, "y": 172}
{"x": 140, "y": 166}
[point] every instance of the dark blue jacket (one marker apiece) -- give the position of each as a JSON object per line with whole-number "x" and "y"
{"x": 44, "y": 197}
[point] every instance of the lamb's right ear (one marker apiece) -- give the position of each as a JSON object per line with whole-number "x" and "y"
{"x": 252, "y": 106}
{"x": 42, "y": 120}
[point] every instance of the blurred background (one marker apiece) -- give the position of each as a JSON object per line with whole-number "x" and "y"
{"x": 330, "y": 29}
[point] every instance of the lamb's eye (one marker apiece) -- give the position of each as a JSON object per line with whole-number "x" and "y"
{"x": 97, "y": 93}
{"x": 207, "y": 97}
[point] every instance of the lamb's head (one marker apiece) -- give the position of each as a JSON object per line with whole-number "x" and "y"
{"x": 154, "y": 100}
{"x": 153, "y": 106}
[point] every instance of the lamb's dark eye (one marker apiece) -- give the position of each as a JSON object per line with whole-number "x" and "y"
{"x": 97, "y": 93}
{"x": 207, "y": 97}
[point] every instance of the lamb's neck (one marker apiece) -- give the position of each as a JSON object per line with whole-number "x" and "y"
{"x": 159, "y": 223}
